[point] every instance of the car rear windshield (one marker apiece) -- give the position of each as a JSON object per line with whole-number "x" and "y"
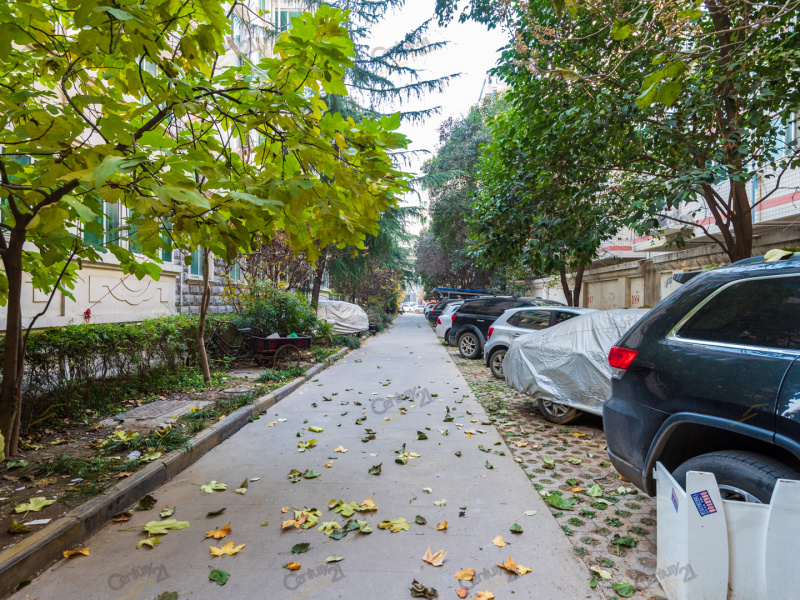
{"x": 757, "y": 312}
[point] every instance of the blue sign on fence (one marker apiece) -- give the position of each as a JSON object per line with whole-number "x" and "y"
{"x": 702, "y": 500}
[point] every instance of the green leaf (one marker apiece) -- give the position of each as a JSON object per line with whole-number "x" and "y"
{"x": 421, "y": 435}
{"x": 219, "y": 576}
{"x": 333, "y": 558}
{"x": 420, "y": 520}
{"x": 376, "y": 470}
{"x": 668, "y": 92}
{"x": 489, "y": 465}
{"x": 569, "y": 75}
{"x": 150, "y": 542}
{"x": 164, "y": 527}
{"x": 558, "y": 501}
{"x": 300, "y": 548}
{"x": 515, "y": 528}
{"x": 647, "y": 97}
{"x": 625, "y": 589}
{"x": 395, "y": 525}
{"x": 311, "y": 474}
{"x": 33, "y": 505}
{"x": 16, "y": 464}
{"x": 166, "y": 512}
{"x": 620, "y": 30}
{"x": 316, "y": 429}
{"x": 294, "y": 475}
{"x": 213, "y": 486}
{"x": 595, "y": 491}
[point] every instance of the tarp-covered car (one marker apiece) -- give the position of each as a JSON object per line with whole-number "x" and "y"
{"x": 565, "y": 367}
{"x": 345, "y": 317}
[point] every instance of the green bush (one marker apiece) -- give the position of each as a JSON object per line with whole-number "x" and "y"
{"x": 350, "y": 341}
{"x": 92, "y": 367}
{"x": 277, "y": 311}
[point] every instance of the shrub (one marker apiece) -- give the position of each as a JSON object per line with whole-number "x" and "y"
{"x": 88, "y": 367}
{"x": 274, "y": 310}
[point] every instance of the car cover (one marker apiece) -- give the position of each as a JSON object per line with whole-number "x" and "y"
{"x": 568, "y": 363}
{"x": 344, "y": 316}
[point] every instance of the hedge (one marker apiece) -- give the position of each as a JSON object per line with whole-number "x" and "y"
{"x": 78, "y": 368}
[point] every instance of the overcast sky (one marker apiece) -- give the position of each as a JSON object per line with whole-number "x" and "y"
{"x": 472, "y": 50}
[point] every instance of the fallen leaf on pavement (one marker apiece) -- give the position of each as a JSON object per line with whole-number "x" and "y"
{"x": 272, "y": 424}
{"x": 465, "y": 575}
{"x": 341, "y": 449}
{"x": 462, "y": 592}
{"x": 292, "y": 566}
{"x": 18, "y": 527}
{"x": 578, "y": 435}
{"x": 521, "y": 444}
{"x": 395, "y": 525}
{"x": 442, "y": 526}
{"x": 329, "y": 464}
{"x": 34, "y": 504}
{"x": 368, "y": 504}
{"x": 376, "y": 470}
{"x": 420, "y": 591}
{"x": 166, "y": 512}
{"x": 68, "y": 553}
{"x": 499, "y": 541}
{"x": 220, "y": 576}
{"x": 300, "y": 548}
{"x": 163, "y": 527}
{"x": 440, "y": 502}
{"x": 515, "y": 528}
{"x": 328, "y": 526}
{"x": 434, "y": 559}
{"x": 215, "y": 513}
{"x": 420, "y": 520}
{"x": 285, "y": 509}
{"x": 218, "y": 534}
{"x": 146, "y": 503}
{"x": 213, "y": 486}
{"x": 513, "y": 567}
{"x": 332, "y": 558}
{"x": 290, "y": 523}
{"x": 484, "y": 595}
{"x": 150, "y": 542}
{"x": 242, "y": 489}
{"x": 121, "y": 517}
{"x": 602, "y": 573}
{"x": 230, "y": 549}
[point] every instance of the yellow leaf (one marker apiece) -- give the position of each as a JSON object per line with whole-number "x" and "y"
{"x": 340, "y": 449}
{"x": 434, "y": 559}
{"x": 523, "y": 570}
{"x": 499, "y": 541}
{"x": 292, "y": 566}
{"x": 467, "y": 435}
{"x": 484, "y": 595}
{"x": 289, "y": 523}
{"x": 462, "y": 592}
{"x": 465, "y": 575}
{"x": 520, "y": 444}
{"x": 230, "y": 549}
{"x": 329, "y": 464}
{"x": 368, "y": 503}
{"x": 218, "y": 534}
{"x": 577, "y": 435}
{"x": 577, "y": 489}
{"x": 68, "y": 553}
{"x": 513, "y": 567}
{"x": 442, "y": 526}
{"x": 285, "y": 509}
{"x": 272, "y": 424}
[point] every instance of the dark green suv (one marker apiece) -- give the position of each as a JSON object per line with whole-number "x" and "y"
{"x": 709, "y": 380}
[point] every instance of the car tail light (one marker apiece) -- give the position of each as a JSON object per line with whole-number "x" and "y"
{"x": 489, "y": 335}
{"x": 621, "y": 358}
{"x": 452, "y": 318}
{"x": 438, "y": 320}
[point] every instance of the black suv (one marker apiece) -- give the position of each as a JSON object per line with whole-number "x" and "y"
{"x": 471, "y": 321}
{"x": 709, "y": 380}
{"x": 439, "y": 309}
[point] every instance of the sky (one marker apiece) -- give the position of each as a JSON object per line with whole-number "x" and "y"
{"x": 472, "y": 50}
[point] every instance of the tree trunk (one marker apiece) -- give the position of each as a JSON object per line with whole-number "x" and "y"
{"x": 319, "y": 271}
{"x": 742, "y": 221}
{"x": 205, "y": 298}
{"x": 13, "y": 360}
{"x": 565, "y": 286}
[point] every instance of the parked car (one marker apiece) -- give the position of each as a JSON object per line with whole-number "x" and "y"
{"x": 444, "y": 321}
{"x": 565, "y": 368}
{"x": 519, "y": 321}
{"x": 710, "y": 381}
{"x": 419, "y": 309}
{"x": 471, "y": 321}
{"x": 438, "y": 308}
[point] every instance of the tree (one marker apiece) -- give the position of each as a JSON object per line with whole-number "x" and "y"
{"x": 442, "y": 255}
{"x": 706, "y": 89}
{"x": 144, "y": 118}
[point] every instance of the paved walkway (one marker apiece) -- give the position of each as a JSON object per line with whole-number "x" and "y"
{"x": 481, "y": 503}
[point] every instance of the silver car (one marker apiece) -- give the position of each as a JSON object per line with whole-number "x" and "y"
{"x": 519, "y": 321}
{"x": 444, "y": 320}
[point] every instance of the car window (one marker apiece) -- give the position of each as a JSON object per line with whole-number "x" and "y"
{"x": 471, "y": 308}
{"x": 492, "y": 308}
{"x": 564, "y": 316}
{"x": 533, "y": 319}
{"x": 759, "y": 312}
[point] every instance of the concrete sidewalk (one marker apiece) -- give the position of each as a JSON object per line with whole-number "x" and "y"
{"x": 380, "y": 565}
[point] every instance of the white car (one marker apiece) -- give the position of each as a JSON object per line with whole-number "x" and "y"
{"x": 419, "y": 308}
{"x": 444, "y": 320}
{"x": 519, "y": 321}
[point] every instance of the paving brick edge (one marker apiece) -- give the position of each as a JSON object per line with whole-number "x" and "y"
{"x": 38, "y": 551}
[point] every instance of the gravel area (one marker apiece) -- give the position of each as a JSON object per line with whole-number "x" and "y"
{"x": 613, "y": 532}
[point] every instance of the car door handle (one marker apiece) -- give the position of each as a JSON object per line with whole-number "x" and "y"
{"x": 516, "y": 334}
{"x": 481, "y": 320}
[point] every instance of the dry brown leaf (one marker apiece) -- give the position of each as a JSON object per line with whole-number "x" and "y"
{"x": 292, "y": 566}
{"x": 228, "y": 549}
{"x": 124, "y": 474}
{"x": 435, "y": 559}
{"x": 272, "y": 424}
{"x": 462, "y": 592}
{"x": 218, "y": 534}
{"x": 289, "y": 523}
{"x": 369, "y": 503}
{"x": 285, "y": 509}
{"x": 329, "y": 464}
{"x": 513, "y": 567}
{"x": 83, "y": 551}
{"x": 499, "y": 541}
{"x": 302, "y": 518}
{"x": 484, "y": 595}
{"x": 442, "y": 526}
{"x": 341, "y": 449}
{"x": 465, "y": 575}
{"x": 520, "y": 444}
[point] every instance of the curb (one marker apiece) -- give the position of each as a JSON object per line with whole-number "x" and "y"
{"x": 38, "y": 551}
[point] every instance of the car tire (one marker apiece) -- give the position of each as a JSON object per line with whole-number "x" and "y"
{"x": 557, "y": 413}
{"x": 446, "y": 336}
{"x": 743, "y": 476}
{"x": 496, "y": 363}
{"x": 469, "y": 346}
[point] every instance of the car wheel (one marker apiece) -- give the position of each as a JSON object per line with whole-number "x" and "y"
{"x": 469, "y": 345}
{"x": 446, "y": 335}
{"x": 742, "y": 476}
{"x": 496, "y": 363}
{"x": 557, "y": 413}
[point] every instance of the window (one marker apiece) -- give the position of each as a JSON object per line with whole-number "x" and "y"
{"x": 196, "y": 266}
{"x": 473, "y": 308}
{"x": 166, "y": 253}
{"x": 564, "y": 316}
{"x": 533, "y": 320}
{"x": 759, "y": 312}
{"x": 236, "y": 271}
{"x": 104, "y": 223}
{"x": 284, "y": 19}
